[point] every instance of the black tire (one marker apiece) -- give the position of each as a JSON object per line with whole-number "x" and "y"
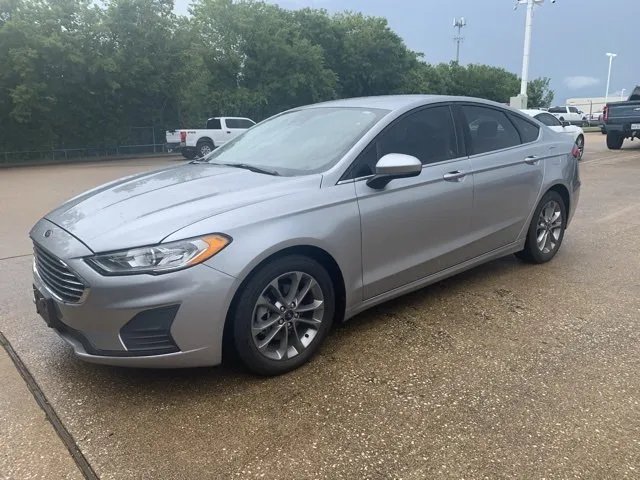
{"x": 614, "y": 141}
{"x": 242, "y": 315}
{"x": 189, "y": 154}
{"x": 532, "y": 253}
{"x": 204, "y": 147}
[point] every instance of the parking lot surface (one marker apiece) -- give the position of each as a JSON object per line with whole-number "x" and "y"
{"x": 508, "y": 370}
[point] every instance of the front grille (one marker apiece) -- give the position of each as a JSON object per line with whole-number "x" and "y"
{"x": 57, "y": 276}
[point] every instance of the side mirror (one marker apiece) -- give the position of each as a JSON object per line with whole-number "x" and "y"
{"x": 392, "y": 166}
{"x": 566, "y": 124}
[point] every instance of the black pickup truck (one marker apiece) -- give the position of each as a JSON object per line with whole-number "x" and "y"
{"x": 622, "y": 120}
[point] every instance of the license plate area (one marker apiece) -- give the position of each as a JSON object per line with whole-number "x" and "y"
{"x": 46, "y": 308}
{"x": 635, "y": 126}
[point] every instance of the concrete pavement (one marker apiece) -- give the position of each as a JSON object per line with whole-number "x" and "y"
{"x": 508, "y": 370}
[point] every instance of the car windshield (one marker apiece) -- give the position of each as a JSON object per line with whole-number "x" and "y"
{"x": 300, "y": 141}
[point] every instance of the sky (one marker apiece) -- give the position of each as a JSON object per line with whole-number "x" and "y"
{"x": 569, "y": 42}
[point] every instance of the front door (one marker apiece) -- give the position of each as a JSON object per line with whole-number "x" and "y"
{"x": 415, "y": 227}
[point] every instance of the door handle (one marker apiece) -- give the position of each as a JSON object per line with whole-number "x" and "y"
{"x": 454, "y": 176}
{"x": 532, "y": 159}
{"x": 228, "y": 131}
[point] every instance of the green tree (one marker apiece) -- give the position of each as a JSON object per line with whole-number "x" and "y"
{"x": 539, "y": 93}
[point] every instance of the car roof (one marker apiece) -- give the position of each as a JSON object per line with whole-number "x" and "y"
{"x": 396, "y": 102}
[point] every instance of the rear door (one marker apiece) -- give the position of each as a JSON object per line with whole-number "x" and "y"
{"x": 235, "y": 126}
{"x": 507, "y": 163}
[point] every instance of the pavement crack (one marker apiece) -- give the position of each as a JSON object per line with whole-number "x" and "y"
{"x": 67, "y": 439}
{"x": 16, "y": 256}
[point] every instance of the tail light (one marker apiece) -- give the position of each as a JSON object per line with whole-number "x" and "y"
{"x": 183, "y": 136}
{"x": 605, "y": 113}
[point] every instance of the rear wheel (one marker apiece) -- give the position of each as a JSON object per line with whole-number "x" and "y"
{"x": 283, "y": 315}
{"x": 204, "y": 148}
{"x": 614, "y": 141}
{"x": 546, "y": 230}
{"x": 189, "y": 154}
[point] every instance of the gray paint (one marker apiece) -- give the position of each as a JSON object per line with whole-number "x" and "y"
{"x": 386, "y": 242}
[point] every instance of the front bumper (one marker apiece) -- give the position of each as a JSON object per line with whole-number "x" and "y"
{"x": 171, "y": 320}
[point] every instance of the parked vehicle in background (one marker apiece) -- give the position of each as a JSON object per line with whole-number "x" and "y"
{"x": 622, "y": 120}
{"x": 594, "y": 119}
{"x": 569, "y": 114}
{"x": 198, "y": 143}
{"x": 573, "y": 131}
{"x": 307, "y": 219}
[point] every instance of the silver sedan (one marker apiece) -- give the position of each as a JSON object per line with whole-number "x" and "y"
{"x": 304, "y": 220}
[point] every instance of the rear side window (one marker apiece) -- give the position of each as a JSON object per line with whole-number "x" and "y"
{"x": 214, "y": 124}
{"x": 490, "y": 129}
{"x": 238, "y": 123}
{"x": 528, "y": 130}
{"x": 548, "y": 120}
{"x": 557, "y": 110}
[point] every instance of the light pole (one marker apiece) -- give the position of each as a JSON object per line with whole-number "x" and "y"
{"x": 611, "y": 56}
{"x": 521, "y": 100}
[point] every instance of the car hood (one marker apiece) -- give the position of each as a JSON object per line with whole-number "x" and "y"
{"x": 144, "y": 209}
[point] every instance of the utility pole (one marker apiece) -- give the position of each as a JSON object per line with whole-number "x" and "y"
{"x": 459, "y": 23}
{"x": 520, "y": 101}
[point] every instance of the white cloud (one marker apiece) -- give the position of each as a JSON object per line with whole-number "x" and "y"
{"x": 580, "y": 81}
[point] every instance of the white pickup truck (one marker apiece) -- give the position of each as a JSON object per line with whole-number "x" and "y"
{"x": 569, "y": 114}
{"x": 200, "y": 142}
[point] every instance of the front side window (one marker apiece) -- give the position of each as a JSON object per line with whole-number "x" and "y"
{"x": 490, "y": 129}
{"x": 573, "y": 110}
{"x": 299, "y": 142}
{"x": 428, "y": 134}
{"x": 548, "y": 120}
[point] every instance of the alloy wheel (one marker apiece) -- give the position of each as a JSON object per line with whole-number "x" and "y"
{"x": 287, "y": 316}
{"x": 549, "y": 227}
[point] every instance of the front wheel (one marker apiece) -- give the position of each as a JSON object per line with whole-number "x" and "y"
{"x": 283, "y": 315}
{"x": 580, "y": 145}
{"x": 546, "y": 230}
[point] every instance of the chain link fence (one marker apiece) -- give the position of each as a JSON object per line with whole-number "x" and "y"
{"x": 142, "y": 141}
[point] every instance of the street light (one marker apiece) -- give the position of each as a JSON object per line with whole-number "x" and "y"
{"x": 521, "y": 100}
{"x": 611, "y": 56}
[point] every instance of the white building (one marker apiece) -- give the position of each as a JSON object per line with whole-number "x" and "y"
{"x": 595, "y": 104}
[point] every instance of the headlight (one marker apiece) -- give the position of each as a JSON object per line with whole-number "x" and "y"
{"x": 156, "y": 259}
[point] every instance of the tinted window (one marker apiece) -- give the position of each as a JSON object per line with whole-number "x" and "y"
{"x": 428, "y": 135}
{"x": 558, "y": 110}
{"x": 238, "y": 123}
{"x": 214, "y": 124}
{"x": 573, "y": 109}
{"x": 548, "y": 120}
{"x": 528, "y": 130}
{"x": 490, "y": 129}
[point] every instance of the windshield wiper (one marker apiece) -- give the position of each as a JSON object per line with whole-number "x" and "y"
{"x": 251, "y": 168}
